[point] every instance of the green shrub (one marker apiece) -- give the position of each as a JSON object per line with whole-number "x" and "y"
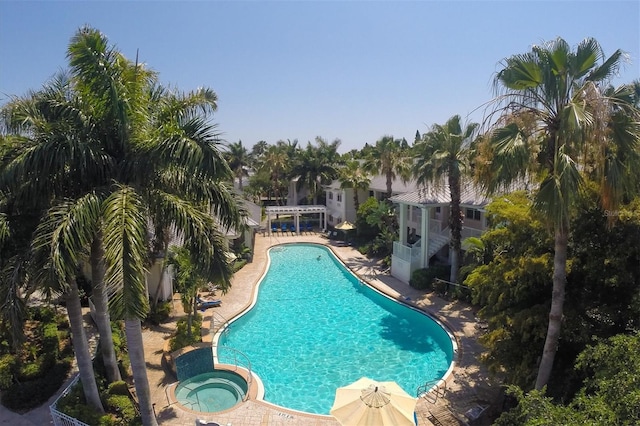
{"x": 8, "y": 365}
{"x": 181, "y": 339}
{"x": 33, "y": 393}
{"x": 118, "y": 388}
{"x": 74, "y": 404}
{"x": 122, "y": 406}
{"x": 423, "y": 279}
{"x": 44, "y": 314}
{"x": 50, "y": 342}
{"x": 37, "y": 369}
{"x": 159, "y": 313}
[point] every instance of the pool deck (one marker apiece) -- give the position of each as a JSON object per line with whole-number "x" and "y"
{"x": 468, "y": 384}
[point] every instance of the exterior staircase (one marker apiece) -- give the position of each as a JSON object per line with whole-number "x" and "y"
{"x": 437, "y": 241}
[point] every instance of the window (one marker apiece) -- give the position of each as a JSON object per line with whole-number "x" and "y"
{"x": 330, "y": 218}
{"x": 473, "y": 214}
{"x": 438, "y": 209}
{"x": 339, "y": 198}
{"x": 331, "y": 195}
{"x": 371, "y": 194}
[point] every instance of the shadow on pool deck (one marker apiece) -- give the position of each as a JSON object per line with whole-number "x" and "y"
{"x": 469, "y": 382}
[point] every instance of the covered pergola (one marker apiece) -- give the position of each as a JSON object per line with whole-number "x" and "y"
{"x": 296, "y": 211}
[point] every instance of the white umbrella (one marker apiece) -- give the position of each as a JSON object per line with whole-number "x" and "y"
{"x": 345, "y": 226}
{"x": 370, "y": 403}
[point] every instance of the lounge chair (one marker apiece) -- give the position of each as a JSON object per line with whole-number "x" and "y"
{"x": 442, "y": 416}
{"x": 308, "y": 227}
{"x": 284, "y": 227}
{"x": 292, "y": 228}
{"x": 207, "y": 303}
{"x": 274, "y": 228}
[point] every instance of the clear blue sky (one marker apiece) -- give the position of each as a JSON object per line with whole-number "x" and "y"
{"x": 353, "y": 70}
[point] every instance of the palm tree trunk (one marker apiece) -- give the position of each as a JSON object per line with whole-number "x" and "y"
{"x": 135, "y": 346}
{"x": 103, "y": 320}
{"x": 557, "y": 303}
{"x": 455, "y": 226}
{"x": 389, "y": 185}
{"x": 81, "y": 347}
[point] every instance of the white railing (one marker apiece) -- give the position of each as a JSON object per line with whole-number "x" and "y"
{"x": 470, "y": 232}
{"x": 218, "y": 322}
{"x": 60, "y": 418}
{"x": 405, "y": 252}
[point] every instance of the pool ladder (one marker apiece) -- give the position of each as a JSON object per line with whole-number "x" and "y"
{"x": 432, "y": 390}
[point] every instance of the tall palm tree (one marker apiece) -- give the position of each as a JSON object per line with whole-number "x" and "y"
{"x": 58, "y": 245}
{"x": 445, "y": 151}
{"x": 352, "y": 175}
{"x": 50, "y": 163}
{"x": 238, "y": 158}
{"x": 277, "y": 164}
{"x": 560, "y": 122}
{"x": 150, "y": 157}
{"x": 388, "y": 159}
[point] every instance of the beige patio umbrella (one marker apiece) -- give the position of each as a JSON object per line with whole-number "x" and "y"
{"x": 345, "y": 226}
{"x": 370, "y": 403}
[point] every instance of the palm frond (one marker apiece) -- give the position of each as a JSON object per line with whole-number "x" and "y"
{"x": 66, "y": 232}
{"x": 559, "y": 190}
{"x": 125, "y": 237}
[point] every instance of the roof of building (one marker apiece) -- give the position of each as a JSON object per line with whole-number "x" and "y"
{"x": 379, "y": 183}
{"x": 470, "y": 195}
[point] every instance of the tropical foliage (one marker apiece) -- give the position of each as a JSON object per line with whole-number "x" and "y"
{"x": 609, "y": 395}
{"x": 512, "y": 286}
{"x": 560, "y": 123}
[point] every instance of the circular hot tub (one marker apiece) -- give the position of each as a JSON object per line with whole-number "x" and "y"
{"x": 211, "y": 392}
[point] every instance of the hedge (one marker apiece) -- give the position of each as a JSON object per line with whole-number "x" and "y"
{"x": 33, "y": 393}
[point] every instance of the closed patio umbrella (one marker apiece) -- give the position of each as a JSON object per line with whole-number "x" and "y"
{"x": 370, "y": 403}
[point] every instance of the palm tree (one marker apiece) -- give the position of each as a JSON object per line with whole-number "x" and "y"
{"x": 560, "y": 123}
{"x": 57, "y": 246}
{"x": 238, "y": 158}
{"x": 388, "y": 159}
{"x": 352, "y": 175}
{"x": 276, "y": 164}
{"x": 155, "y": 159}
{"x": 446, "y": 151}
{"x": 316, "y": 166}
{"x": 51, "y": 163}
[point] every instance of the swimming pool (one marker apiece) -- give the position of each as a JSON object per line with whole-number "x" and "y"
{"x": 315, "y": 327}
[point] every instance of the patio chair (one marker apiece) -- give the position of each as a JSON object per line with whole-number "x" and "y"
{"x": 442, "y": 416}
{"x": 274, "y": 228}
{"x": 207, "y": 303}
{"x": 292, "y": 228}
{"x": 283, "y": 228}
{"x": 308, "y": 227}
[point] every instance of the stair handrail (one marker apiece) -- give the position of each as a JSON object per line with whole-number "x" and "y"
{"x": 236, "y": 355}
{"x": 222, "y": 322}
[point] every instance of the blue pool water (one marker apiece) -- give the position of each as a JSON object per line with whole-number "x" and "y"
{"x": 315, "y": 328}
{"x": 211, "y": 392}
